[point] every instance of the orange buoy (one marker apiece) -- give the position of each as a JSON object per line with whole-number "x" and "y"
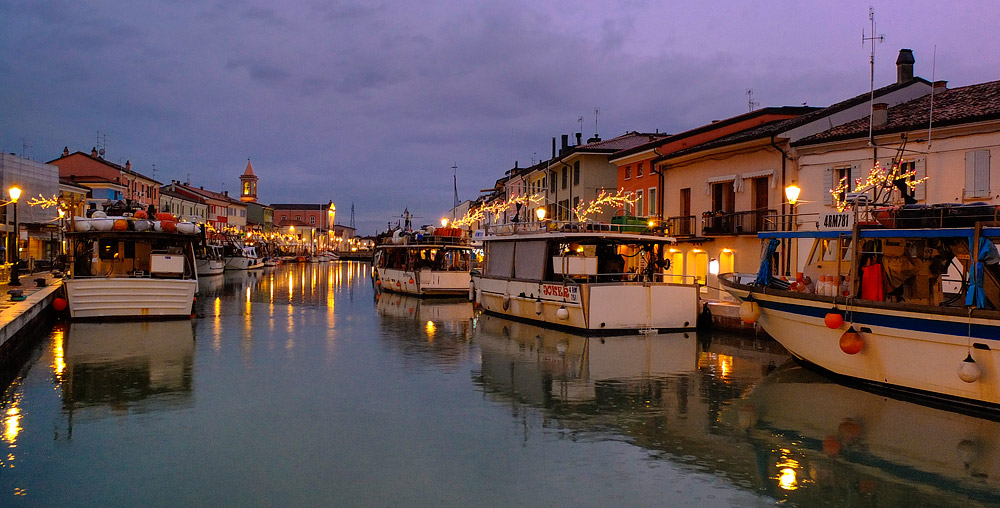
{"x": 120, "y": 225}
{"x": 749, "y": 311}
{"x": 833, "y": 320}
{"x": 59, "y": 304}
{"x": 169, "y": 226}
{"x": 141, "y": 214}
{"x": 165, "y": 216}
{"x": 851, "y": 342}
{"x": 831, "y": 446}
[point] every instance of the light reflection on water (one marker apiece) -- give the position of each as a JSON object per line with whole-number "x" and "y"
{"x": 348, "y": 398}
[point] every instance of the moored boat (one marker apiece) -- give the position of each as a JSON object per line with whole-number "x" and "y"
{"x": 125, "y": 273}
{"x": 588, "y": 281}
{"x": 900, "y": 322}
{"x": 209, "y": 260}
{"x": 242, "y": 257}
{"x": 423, "y": 264}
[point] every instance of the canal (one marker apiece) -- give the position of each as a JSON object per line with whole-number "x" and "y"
{"x": 298, "y": 386}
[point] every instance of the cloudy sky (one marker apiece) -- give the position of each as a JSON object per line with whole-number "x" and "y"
{"x": 373, "y": 102}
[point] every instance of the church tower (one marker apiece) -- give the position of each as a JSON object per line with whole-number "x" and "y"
{"x": 248, "y": 185}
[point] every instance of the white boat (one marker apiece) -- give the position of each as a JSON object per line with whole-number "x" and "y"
{"x": 424, "y": 265}
{"x": 131, "y": 274}
{"x": 242, "y": 257}
{"x": 903, "y": 326}
{"x": 209, "y": 260}
{"x": 597, "y": 281}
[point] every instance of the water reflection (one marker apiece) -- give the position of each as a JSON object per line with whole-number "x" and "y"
{"x": 127, "y": 367}
{"x": 439, "y": 329}
{"x": 815, "y": 438}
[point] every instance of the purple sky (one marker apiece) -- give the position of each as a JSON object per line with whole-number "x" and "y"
{"x": 373, "y": 102}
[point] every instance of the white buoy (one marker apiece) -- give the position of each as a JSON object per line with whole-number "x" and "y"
{"x": 538, "y": 307}
{"x": 968, "y": 371}
{"x": 562, "y": 314}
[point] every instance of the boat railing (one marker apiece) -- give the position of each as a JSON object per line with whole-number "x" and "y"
{"x": 632, "y": 278}
{"x": 545, "y": 226}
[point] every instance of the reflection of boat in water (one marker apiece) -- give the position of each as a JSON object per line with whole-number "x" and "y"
{"x": 816, "y": 437}
{"x": 404, "y": 306}
{"x": 129, "y": 365}
{"x": 525, "y": 358}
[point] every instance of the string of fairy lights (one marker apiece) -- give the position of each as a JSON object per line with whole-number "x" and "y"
{"x": 881, "y": 181}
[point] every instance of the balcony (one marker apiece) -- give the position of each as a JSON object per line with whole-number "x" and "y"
{"x": 739, "y": 223}
{"x": 681, "y": 226}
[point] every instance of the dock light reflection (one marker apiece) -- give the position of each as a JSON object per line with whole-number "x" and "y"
{"x": 787, "y": 476}
{"x": 12, "y": 422}
{"x": 58, "y": 353}
{"x": 430, "y": 331}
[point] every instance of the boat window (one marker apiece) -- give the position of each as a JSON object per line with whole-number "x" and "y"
{"x": 107, "y": 249}
{"x": 499, "y": 259}
{"x": 529, "y": 260}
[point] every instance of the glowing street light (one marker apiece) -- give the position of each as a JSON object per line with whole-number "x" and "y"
{"x": 792, "y": 193}
{"x": 540, "y": 213}
{"x": 14, "y": 275}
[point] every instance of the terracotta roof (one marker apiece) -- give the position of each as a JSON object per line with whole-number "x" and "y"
{"x": 625, "y": 141}
{"x": 249, "y": 170}
{"x": 106, "y": 162}
{"x": 961, "y": 105}
{"x": 774, "y": 128}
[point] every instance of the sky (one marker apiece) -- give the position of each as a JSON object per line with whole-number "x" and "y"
{"x": 371, "y": 104}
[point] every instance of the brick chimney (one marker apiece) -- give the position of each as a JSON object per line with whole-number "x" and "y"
{"x": 940, "y": 86}
{"x": 128, "y": 165}
{"x": 65, "y": 151}
{"x": 93, "y": 152}
{"x": 904, "y": 66}
{"x": 880, "y": 114}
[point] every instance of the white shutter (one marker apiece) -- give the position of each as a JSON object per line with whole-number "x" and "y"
{"x": 982, "y": 173}
{"x": 920, "y": 170}
{"x": 828, "y": 186}
{"x": 970, "y": 174}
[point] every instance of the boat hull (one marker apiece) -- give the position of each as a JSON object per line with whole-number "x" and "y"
{"x": 423, "y": 282}
{"x": 618, "y": 307}
{"x": 915, "y": 349}
{"x": 210, "y": 266}
{"x": 125, "y": 297}
{"x": 243, "y": 263}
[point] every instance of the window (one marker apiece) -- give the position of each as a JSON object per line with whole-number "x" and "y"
{"x": 839, "y": 175}
{"x": 977, "y": 174}
{"x": 638, "y": 170}
{"x": 654, "y": 206}
{"x": 640, "y": 206}
{"x": 298, "y": 217}
{"x": 312, "y": 220}
{"x": 552, "y": 182}
{"x": 723, "y": 197}
{"x": 284, "y": 217}
{"x": 565, "y": 177}
{"x": 628, "y": 172}
{"x": 576, "y": 173}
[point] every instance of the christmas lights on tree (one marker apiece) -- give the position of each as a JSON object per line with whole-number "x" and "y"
{"x": 880, "y": 181}
{"x": 616, "y": 200}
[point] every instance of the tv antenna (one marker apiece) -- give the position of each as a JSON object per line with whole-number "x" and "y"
{"x": 454, "y": 182}
{"x": 871, "y": 62}
{"x": 102, "y": 143}
{"x": 24, "y": 148}
{"x": 750, "y": 102}
{"x": 580, "y": 121}
{"x": 352, "y": 216}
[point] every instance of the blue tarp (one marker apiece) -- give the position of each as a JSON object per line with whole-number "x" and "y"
{"x": 764, "y": 274}
{"x": 976, "y": 294}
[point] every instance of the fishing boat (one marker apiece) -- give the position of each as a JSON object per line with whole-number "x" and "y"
{"x": 133, "y": 269}
{"x": 209, "y": 259}
{"x": 430, "y": 262}
{"x": 241, "y": 257}
{"x": 909, "y": 303}
{"x": 597, "y": 281}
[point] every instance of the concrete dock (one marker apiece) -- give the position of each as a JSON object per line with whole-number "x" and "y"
{"x": 20, "y": 321}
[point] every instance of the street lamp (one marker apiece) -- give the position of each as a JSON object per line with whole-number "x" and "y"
{"x": 540, "y": 213}
{"x": 792, "y": 193}
{"x": 14, "y": 275}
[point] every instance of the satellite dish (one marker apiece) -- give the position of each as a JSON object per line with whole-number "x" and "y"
{"x": 101, "y": 151}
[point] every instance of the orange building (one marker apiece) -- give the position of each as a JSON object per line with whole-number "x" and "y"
{"x": 636, "y": 168}
{"x": 79, "y": 166}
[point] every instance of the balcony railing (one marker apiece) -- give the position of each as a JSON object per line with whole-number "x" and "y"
{"x": 681, "y": 226}
{"x": 739, "y": 223}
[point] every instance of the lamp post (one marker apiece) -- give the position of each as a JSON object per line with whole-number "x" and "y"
{"x": 14, "y": 275}
{"x": 792, "y": 195}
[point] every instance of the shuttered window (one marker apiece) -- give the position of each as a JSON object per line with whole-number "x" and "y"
{"x": 977, "y": 174}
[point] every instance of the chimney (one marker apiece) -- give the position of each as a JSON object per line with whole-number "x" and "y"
{"x": 904, "y": 66}
{"x": 565, "y": 143}
{"x": 880, "y": 114}
{"x": 579, "y": 138}
{"x": 553, "y": 147}
{"x": 940, "y": 86}
{"x": 128, "y": 165}
{"x": 93, "y": 152}
{"x": 65, "y": 151}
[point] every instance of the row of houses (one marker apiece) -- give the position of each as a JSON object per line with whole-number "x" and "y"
{"x": 716, "y": 186}
{"x": 79, "y": 183}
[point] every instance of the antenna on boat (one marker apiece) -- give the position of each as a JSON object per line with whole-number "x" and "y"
{"x": 871, "y": 63}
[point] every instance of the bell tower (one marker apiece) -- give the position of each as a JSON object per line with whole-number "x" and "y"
{"x": 248, "y": 185}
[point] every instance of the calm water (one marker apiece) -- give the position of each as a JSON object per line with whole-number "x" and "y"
{"x": 297, "y": 387}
